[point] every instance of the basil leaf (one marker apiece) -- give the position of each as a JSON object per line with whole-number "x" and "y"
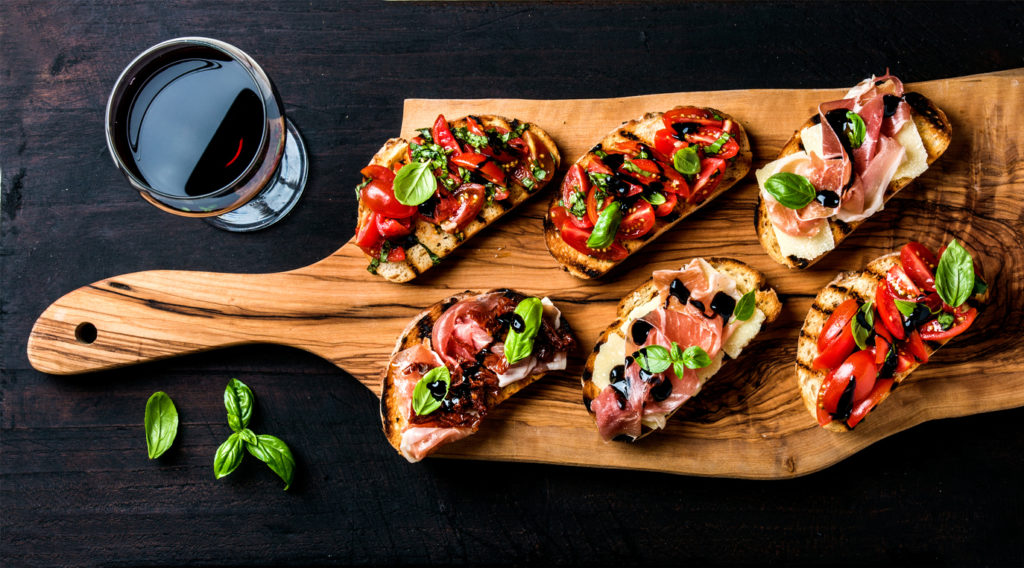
{"x": 519, "y": 344}
{"x": 426, "y": 134}
{"x": 862, "y": 324}
{"x": 744, "y": 309}
{"x": 275, "y": 453}
{"x": 423, "y": 401}
{"x": 946, "y": 320}
{"x": 954, "y": 277}
{"x": 631, "y": 167}
{"x": 414, "y": 183}
{"x": 679, "y": 369}
{"x": 654, "y": 359}
{"x": 474, "y": 140}
{"x": 677, "y": 353}
{"x": 238, "y": 402}
{"x": 717, "y": 145}
{"x": 980, "y": 287}
{"x": 539, "y": 173}
{"x": 906, "y": 308}
{"x": 791, "y": 190}
{"x": 228, "y": 456}
{"x": 686, "y": 160}
{"x": 602, "y": 181}
{"x": 161, "y": 424}
{"x": 694, "y": 357}
{"x": 248, "y": 436}
{"x": 855, "y": 129}
{"x": 604, "y": 230}
{"x": 655, "y": 198}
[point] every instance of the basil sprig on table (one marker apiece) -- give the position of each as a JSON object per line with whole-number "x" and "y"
{"x": 519, "y": 344}
{"x": 791, "y": 190}
{"x": 744, "y": 309}
{"x": 425, "y": 399}
{"x": 414, "y": 183}
{"x": 657, "y": 359}
{"x": 862, "y": 324}
{"x": 161, "y": 424}
{"x": 604, "y": 230}
{"x": 855, "y": 129}
{"x": 238, "y": 401}
{"x": 954, "y": 276}
{"x": 686, "y": 161}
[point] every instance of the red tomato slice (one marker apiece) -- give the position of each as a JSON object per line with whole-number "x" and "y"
{"x": 835, "y": 352}
{"x": 637, "y": 222}
{"x": 901, "y": 285}
{"x": 559, "y": 216}
{"x": 858, "y": 367}
{"x": 373, "y": 171}
{"x": 862, "y": 408}
{"x": 675, "y": 182}
{"x": 594, "y": 164}
{"x": 882, "y": 331}
{"x": 575, "y": 180}
{"x": 710, "y": 176}
{"x": 666, "y": 143}
{"x": 577, "y": 239}
{"x": 920, "y": 264}
{"x": 668, "y": 206}
{"x": 396, "y": 254}
{"x": 469, "y": 199}
{"x": 651, "y": 171}
{"x": 390, "y": 228}
{"x": 474, "y": 127}
{"x": 487, "y": 167}
{"x": 695, "y": 115}
{"x": 885, "y": 306}
{"x": 367, "y": 235}
{"x": 881, "y": 348}
{"x": 837, "y": 321}
{"x": 708, "y": 135}
{"x": 593, "y": 207}
{"x": 932, "y": 331}
{"x": 379, "y": 197}
{"x": 916, "y": 347}
{"x": 443, "y": 136}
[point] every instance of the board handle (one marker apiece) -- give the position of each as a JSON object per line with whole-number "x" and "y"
{"x": 145, "y": 316}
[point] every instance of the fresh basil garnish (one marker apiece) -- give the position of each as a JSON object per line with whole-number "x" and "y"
{"x": 414, "y": 183}
{"x": 631, "y": 167}
{"x": 238, "y": 403}
{"x": 686, "y": 161}
{"x": 906, "y": 308}
{"x": 161, "y": 424}
{"x": 539, "y": 173}
{"x": 657, "y": 359}
{"x": 717, "y": 145}
{"x": 855, "y": 129}
{"x": 654, "y": 359}
{"x": 228, "y": 456}
{"x": 604, "y": 230}
{"x": 474, "y": 140}
{"x": 602, "y": 181}
{"x": 954, "y": 277}
{"x": 426, "y": 134}
{"x": 744, "y": 309}
{"x": 276, "y": 454}
{"x": 577, "y": 204}
{"x": 863, "y": 324}
{"x": 519, "y": 344}
{"x": 946, "y": 320}
{"x": 655, "y": 198}
{"x": 791, "y": 190}
{"x": 423, "y": 400}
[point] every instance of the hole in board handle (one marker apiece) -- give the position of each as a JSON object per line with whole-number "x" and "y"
{"x": 85, "y": 332}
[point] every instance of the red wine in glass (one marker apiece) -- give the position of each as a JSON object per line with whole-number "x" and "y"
{"x": 197, "y": 128}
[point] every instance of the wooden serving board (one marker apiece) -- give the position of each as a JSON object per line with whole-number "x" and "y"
{"x": 749, "y": 422}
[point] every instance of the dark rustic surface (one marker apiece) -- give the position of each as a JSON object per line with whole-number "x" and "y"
{"x": 76, "y": 487}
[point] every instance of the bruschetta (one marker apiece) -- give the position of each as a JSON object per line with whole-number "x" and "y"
{"x": 671, "y": 335}
{"x": 841, "y": 167}
{"x": 422, "y": 198}
{"x": 868, "y": 330}
{"x": 638, "y": 182}
{"x": 460, "y": 358}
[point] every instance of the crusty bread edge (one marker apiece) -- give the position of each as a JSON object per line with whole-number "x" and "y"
{"x": 747, "y": 279}
{"x": 936, "y": 133}
{"x": 586, "y": 267}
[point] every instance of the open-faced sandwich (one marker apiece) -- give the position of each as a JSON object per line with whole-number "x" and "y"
{"x": 638, "y": 182}
{"x": 463, "y": 356}
{"x": 671, "y": 335}
{"x": 843, "y": 165}
{"x": 420, "y": 199}
{"x": 868, "y": 330}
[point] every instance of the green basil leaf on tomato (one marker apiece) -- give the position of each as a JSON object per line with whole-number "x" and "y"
{"x": 654, "y": 197}
{"x": 519, "y": 344}
{"x": 161, "y": 424}
{"x": 717, "y": 145}
{"x": 745, "y": 307}
{"x": 425, "y": 397}
{"x": 862, "y": 324}
{"x": 791, "y": 190}
{"x": 415, "y": 183}
{"x": 954, "y": 277}
{"x": 906, "y": 308}
{"x": 855, "y": 129}
{"x": 686, "y": 160}
{"x": 605, "y": 228}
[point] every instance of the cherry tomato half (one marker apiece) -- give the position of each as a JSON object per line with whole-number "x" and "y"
{"x": 469, "y": 201}
{"x": 862, "y": 408}
{"x": 836, "y": 322}
{"x": 593, "y": 207}
{"x": 648, "y": 174}
{"x": 487, "y": 167}
{"x": 379, "y": 197}
{"x": 390, "y": 228}
{"x": 668, "y": 206}
{"x": 637, "y": 222}
{"x": 885, "y": 306}
{"x": 916, "y": 347}
{"x": 687, "y": 114}
{"x": 367, "y": 235}
{"x": 708, "y": 135}
{"x": 443, "y": 136}
{"x": 835, "y": 342}
{"x": 859, "y": 368}
{"x": 920, "y": 264}
{"x": 577, "y": 239}
{"x": 666, "y": 142}
{"x": 901, "y": 285}
{"x": 932, "y": 331}
{"x": 711, "y": 170}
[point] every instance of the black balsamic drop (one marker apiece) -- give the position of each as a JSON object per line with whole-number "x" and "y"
{"x": 723, "y": 305}
{"x": 679, "y": 291}
{"x": 640, "y": 330}
{"x": 438, "y": 389}
{"x": 513, "y": 320}
{"x": 845, "y": 405}
{"x": 827, "y": 198}
{"x": 662, "y": 390}
{"x": 684, "y": 128}
{"x": 613, "y": 161}
{"x": 888, "y": 368}
{"x": 891, "y": 102}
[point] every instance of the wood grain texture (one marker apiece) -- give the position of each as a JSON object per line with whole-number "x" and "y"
{"x": 749, "y": 421}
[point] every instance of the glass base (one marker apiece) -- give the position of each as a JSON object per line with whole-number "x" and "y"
{"x": 281, "y": 194}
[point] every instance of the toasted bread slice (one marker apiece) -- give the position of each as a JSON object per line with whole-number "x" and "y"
{"x": 641, "y": 130}
{"x": 433, "y": 243}
{"x": 746, "y": 279}
{"x": 936, "y": 133}
{"x": 418, "y": 332}
{"x": 861, "y": 285}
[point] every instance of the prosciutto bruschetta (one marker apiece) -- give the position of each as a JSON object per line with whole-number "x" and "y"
{"x": 868, "y": 330}
{"x": 462, "y": 357}
{"x": 841, "y": 167}
{"x": 638, "y": 182}
{"x": 671, "y": 335}
{"x": 422, "y": 198}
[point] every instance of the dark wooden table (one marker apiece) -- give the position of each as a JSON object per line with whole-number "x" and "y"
{"x": 76, "y": 486}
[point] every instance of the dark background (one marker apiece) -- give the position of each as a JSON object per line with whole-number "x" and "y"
{"x": 75, "y": 483}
